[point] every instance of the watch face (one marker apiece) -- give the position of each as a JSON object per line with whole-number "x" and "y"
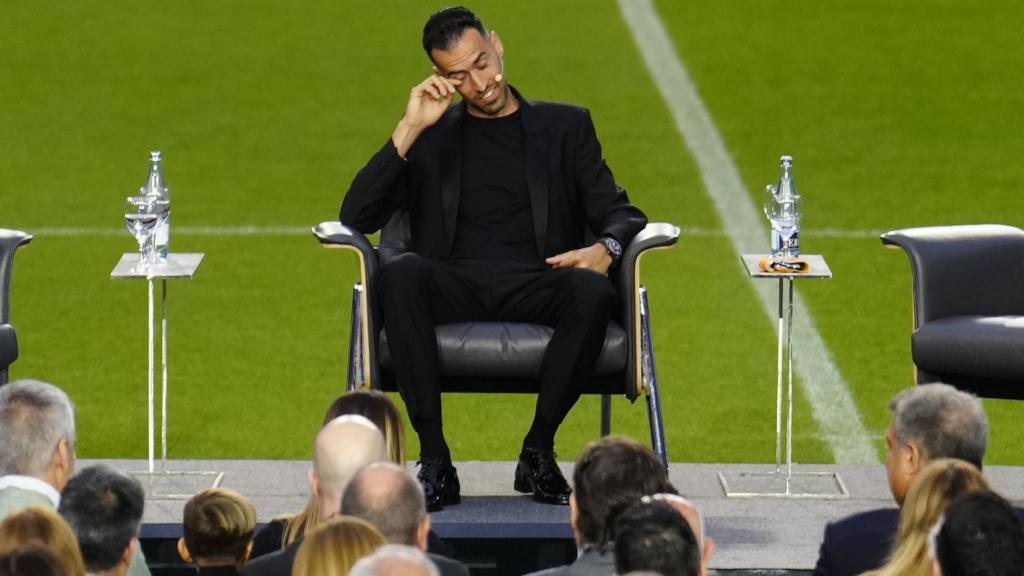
{"x": 614, "y": 248}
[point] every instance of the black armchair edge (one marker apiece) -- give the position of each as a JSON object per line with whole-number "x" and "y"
{"x": 654, "y": 235}
{"x": 8, "y": 346}
{"x": 334, "y": 234}
{"x": 10, "y": 241}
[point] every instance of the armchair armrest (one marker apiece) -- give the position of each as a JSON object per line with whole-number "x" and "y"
{"x": 10, "y": 240}
{"x": 627, "y": 283}
{"x": 963, "y": 270}
{"x": 334, "y": 234}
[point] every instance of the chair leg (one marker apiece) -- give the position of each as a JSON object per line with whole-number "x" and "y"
{"x": 606, "y": 415}
{"x": 649, "y": 374}
{"x": 356, "y": 373}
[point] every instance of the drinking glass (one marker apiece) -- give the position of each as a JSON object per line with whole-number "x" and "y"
{"x": 141, "y": 215}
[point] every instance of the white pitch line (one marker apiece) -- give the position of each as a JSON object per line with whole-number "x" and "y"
{"x": 833, "y": 408}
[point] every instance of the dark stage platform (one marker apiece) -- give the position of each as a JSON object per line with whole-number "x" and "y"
{"x": 497, "y": 531}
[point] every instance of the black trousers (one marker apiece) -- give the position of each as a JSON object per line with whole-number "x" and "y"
{"x": 417, "y": 294}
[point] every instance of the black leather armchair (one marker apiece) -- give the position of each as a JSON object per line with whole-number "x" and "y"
{"x": 968, "y": 306}
{"x": 10, "y": 240}
{"x": 506, "y": 356}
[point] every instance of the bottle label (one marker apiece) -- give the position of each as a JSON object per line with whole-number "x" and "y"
{"x": 786, "y": 245}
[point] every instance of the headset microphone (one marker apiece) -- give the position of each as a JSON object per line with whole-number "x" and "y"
{"x": 501, "y": 75}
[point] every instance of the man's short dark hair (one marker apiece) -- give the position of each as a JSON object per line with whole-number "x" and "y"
{"x": 981, "y": 535}
{"x": 611, "y": 475}
{"x": 395, "y": 510}
{"x": 942, "y": 421}
{"x": 104, "y": 509}
{"x": 654, "y": 537}
{"x": 444, "y": 28}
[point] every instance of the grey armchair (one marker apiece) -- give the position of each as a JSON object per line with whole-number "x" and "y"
{"x": 968, "y": 306}
{"x": 10, "y": 240}
{"x": 506, "y": 356}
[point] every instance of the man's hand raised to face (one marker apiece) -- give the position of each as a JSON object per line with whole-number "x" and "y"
{"x": 428, "y": 101}
{"x": 594, "y": 257}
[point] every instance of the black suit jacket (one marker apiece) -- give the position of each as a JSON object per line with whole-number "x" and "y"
{"x": 571, "y": 188}
{"x": 857, "y": 543}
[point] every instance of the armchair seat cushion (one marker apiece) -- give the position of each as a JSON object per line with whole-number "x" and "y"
{"x": 506, "y": 349}
{"x": 978, "y": 346}
{"x": 8, "y": 346}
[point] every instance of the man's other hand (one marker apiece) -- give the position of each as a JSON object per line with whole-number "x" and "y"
{"x": 594, "y": 257}
{"x": 428, "y": 101}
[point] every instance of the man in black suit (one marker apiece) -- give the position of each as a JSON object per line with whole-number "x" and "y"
{"x": 928, "y": 422}
{"x": 501, "y": 193}
{"x": 390, "y": 499}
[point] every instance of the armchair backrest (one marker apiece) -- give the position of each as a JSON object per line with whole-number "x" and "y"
{"x": 964, "y": 270}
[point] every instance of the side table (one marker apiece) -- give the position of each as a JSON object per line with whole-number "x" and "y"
{"x": 176, "y": 266}
{"x": 779, "y": 483}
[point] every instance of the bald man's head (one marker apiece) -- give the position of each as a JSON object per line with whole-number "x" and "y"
{"x": 343, "y": 446}
{"x": 390, "y": 498}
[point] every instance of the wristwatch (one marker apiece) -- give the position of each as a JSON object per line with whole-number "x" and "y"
{"x": 613, "y": 247}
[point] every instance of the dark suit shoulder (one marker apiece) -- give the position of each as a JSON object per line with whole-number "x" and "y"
{"x": 857, "y": 543}
{"x": 274, "y": 564}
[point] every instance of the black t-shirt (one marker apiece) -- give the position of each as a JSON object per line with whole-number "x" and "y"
{"x": 494, "y": 219}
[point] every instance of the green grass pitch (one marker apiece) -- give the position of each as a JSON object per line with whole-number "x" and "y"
{"x": 898, "y": 114}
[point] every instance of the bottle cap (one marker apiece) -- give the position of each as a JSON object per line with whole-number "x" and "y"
{"x": 786, "y": 160}
{"x": 154, "y": 156}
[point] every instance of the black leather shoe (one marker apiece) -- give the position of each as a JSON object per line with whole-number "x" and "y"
{"x": 538, "y": 473}
{"x": 440, "y": 483}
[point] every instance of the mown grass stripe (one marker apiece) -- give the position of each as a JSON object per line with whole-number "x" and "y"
{"x": 834, "y": 410}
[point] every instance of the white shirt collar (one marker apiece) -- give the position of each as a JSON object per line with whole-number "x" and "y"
{"x": 32, "y": 484}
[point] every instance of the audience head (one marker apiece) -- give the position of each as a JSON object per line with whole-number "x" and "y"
{"x": 379, "y": 409}
{"x": 651, "y": 536}
{"x": 695, "y": 519}
{"x": 343, "y": 446}
{"x": 104, "y": 509}
{"x": 43, "y": 527}
{"x": 37, "y": 432}
{"x": 218, "y": 525}
{"x": 30, "y": 560}
{"x": 932, "y": 421}
{"x": 334, "y": 546}
{"x": 933, "y": 489}
{"x": 980, "y": 535}
{"x": 395, "y": 560}
{"x": 387, "y": 496}
{"x": 611, "y": 475}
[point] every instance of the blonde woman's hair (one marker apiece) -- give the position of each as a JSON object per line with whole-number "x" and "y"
{"x": 934, "y": 488}
{"x": 377, "y": 407}
{"x": 334, "y": 547}
{"x": 218, "y": 525}
{"x": 43, "y": 527}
